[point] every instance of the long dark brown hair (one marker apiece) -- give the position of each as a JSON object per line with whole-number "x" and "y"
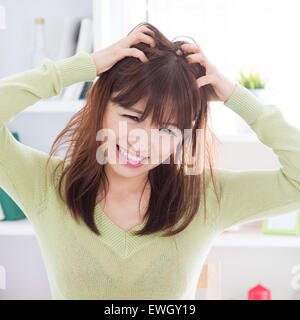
{"x": 168, "y": 82}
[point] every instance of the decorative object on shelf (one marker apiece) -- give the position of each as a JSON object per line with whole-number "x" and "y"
{"x": 253, "y": 81}
{"x": 285, "y": 224}
{"x": 83, "y": 42}
{"x": 68, "y": 41}
{"x": 256, "y": 86}
{"x": 259, "y": 292}
{"x": 10, "y": 209}
{"x": 2, "y": 18}
{"x": 69, "y": 37}
{"x": 86, "y": 87}
{"x": 2, "y": 216}
{"x": 39, "y": 51}
{"x": 209, "y": 281}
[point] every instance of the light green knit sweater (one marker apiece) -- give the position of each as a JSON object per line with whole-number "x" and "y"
{"x": 119, "y": 265}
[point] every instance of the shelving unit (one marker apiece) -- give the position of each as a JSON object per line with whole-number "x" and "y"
{"x": 17, "y": 38}
{"x": 20, "y": 227}
{"x": 248, "y": 235}
{"x": 56, "y": 106}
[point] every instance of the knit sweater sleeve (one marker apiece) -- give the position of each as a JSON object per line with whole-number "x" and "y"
{"x": 22, "y": 168}
{"x": 259, "y": 194}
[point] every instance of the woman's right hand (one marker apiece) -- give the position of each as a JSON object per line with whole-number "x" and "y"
{"x": 104, "y": 59}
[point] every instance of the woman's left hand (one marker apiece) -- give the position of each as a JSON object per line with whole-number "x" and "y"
{"x": 222, "y": 86}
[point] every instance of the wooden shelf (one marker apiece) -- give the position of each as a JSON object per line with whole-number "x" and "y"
{"x": 55, "y": 105}
{"x": 248, "y": 235}
{"x": 20, "y": 227}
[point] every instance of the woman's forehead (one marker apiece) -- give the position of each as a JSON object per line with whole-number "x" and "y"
{"x": 166, "y": 115}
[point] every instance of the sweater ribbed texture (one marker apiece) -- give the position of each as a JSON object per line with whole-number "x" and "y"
{"x": 117, "y": 264}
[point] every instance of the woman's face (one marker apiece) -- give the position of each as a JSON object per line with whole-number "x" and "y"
{"x": 135, "y": 147}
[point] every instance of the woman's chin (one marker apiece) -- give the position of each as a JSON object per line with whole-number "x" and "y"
{"x": 126, "y": 171}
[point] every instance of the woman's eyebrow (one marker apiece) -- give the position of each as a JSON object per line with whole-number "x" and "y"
{"x": 136, "y": 110}
{"x": 141, "y": 112}
{"x": 170, "y": 124}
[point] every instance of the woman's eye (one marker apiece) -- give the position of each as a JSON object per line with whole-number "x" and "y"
{"x": 137, "y": 120}
{"x": 169, "y": 131}
{"x": 131, "y": 117}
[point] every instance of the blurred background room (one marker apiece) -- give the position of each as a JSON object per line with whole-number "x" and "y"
{"x": 251, "y": 42}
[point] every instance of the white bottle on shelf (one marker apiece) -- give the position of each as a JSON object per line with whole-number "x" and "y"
{"x": 39, "y": 51}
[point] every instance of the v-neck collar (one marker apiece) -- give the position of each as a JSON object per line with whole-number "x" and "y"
{"x": 124, "y": 243}
{"x": 99, "y": 210}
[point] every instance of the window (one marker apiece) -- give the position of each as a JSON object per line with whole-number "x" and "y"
{"x": 236, "y": 34}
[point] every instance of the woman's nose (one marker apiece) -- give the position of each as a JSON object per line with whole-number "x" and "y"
{"x": 138, "y": 149}
{"x": 138, "y": 143}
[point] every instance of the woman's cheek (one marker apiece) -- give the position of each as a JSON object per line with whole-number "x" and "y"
{"x": 168, "y": 147}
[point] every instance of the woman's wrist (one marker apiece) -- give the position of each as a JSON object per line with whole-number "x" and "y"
{"x": 94, "y": 60}
{"x": 227, "y": 86}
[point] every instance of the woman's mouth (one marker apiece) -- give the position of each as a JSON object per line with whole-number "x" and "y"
{"x": 128, "y": 158}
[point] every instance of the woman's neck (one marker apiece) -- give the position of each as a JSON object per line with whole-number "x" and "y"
{"x": 120, "y": 187}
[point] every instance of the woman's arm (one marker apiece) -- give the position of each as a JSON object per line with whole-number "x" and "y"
{"x": 258, "y": 194}
{"x": 22, "y": 169}
{"x": 21, "y": 90}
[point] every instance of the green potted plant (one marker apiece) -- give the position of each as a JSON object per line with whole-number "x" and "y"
{"x": 253, "y": 82}
{"x": 256, "y": 86}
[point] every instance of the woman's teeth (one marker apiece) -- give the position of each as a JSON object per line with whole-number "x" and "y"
{"x": 130, "y": 157}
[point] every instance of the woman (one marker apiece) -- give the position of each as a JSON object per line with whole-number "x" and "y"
{"x": 111, "y": 222}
